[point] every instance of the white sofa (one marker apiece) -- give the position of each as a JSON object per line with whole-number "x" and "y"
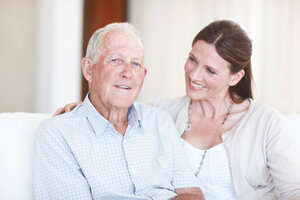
{"x": 17, "y": 133}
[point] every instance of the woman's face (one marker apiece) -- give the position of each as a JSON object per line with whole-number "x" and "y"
{"x": 207, "y": 74}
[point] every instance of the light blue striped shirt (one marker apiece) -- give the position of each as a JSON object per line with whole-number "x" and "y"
{"x": 79, "y": 155}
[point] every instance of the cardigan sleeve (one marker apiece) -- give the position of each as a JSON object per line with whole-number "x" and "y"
{"x": 282, "y": 158}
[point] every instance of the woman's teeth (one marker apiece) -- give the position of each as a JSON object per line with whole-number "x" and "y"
{"x": 197, "y": 86}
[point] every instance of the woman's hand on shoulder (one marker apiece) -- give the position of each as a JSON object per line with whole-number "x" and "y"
{"x": 66, "y": 108}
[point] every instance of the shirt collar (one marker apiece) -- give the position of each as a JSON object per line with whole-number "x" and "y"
{"x": 99, "y": 123}
{"x": 134, "y": 116}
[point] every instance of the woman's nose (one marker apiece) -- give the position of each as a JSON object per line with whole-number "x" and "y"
{"x": 196, "y": 73}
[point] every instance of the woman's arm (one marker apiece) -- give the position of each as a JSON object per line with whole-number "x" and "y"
{"x": 283, "y": 160}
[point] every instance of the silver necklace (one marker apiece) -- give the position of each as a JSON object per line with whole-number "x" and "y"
{"x": 213, "y": 137}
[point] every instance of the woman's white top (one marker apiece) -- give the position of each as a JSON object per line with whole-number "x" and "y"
{"x": 215, "y": 178}
{"x": 263, "y": 158}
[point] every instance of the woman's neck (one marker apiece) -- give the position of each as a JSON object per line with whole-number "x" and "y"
{"x": 212, "y": 108}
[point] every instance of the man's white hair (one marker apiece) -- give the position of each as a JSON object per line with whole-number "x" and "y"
{"x": 94, "y": 48}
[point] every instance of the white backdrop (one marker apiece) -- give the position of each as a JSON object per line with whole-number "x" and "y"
{"x": 17, "y": 49}
{"x": 41, "y": 48}
{"x": 168, "y": 28}
{"x": 58, "y": 58}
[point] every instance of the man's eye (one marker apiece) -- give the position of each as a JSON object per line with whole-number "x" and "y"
{"x": 115, "y": 60}
{"x": 136, "y": 64}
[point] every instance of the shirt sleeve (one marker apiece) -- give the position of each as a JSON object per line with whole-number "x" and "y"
{"x": 57, "y": 174}
{"x": 183, "y": 176}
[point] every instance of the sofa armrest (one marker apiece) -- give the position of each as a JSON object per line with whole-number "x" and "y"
{"x": 17, "y": 138}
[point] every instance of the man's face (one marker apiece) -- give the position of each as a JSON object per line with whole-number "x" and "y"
{"x": 118, "y": 75}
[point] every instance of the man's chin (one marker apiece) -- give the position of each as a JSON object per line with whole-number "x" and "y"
{"x": 122, "y": 102}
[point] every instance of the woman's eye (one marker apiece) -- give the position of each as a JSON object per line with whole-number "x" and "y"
{"x": 210, "y": 71}
{"x": 191, "y": 59}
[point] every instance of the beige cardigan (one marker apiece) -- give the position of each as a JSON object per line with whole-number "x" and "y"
{"x": 263, "y": 159}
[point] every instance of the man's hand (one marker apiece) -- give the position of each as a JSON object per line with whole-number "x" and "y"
{"x": 189, "y": 194}
{"x": 67, "y": 108}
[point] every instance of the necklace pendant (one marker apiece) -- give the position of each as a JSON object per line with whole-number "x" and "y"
{"x": 188, "y": 128}
{"x": 213, "y": 137}
{"x": 201, "y": 163}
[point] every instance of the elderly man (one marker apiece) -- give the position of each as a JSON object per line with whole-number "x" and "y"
{"x": 110, "y": 147}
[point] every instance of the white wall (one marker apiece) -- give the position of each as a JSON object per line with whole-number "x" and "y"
{"x": 58, "y": 54}
{"x": 40, "y": 53}
{"x": 42, "y": 38}
{"x": 17, "y": 54}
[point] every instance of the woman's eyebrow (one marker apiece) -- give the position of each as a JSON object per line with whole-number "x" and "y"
{"x": 194, "y": 57}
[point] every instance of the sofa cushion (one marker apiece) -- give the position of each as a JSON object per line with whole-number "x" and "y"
{"x": 17, "y": 132}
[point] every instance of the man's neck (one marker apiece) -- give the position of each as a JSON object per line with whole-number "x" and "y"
{"x": 117, "y": 116}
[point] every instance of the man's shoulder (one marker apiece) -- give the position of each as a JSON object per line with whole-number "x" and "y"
{"x": 152, "y": 117}
{"x": 171, "y": 104}
{"x": 54, "y": 124}
{"x": 146, "y": 111}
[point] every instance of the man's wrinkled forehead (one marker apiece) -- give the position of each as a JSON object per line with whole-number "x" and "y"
{"x": 120, "y": 38}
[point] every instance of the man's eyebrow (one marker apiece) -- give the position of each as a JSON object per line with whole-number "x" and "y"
{"x": 113, "y": 54}
{"x": 138, "y": 59}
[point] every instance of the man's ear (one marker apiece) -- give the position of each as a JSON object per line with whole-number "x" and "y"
{"x": 86, "y": 65}
{"x": 236, "y": 77}
{"x": 145, "y": 71}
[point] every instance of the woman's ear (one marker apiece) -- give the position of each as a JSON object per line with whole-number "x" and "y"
{"x": 236, "y": 77}
{"x": 86, "y": 65}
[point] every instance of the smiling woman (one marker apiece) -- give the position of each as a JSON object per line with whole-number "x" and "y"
{"x": 208, "y": 72}
{"x": 232, "y": 142}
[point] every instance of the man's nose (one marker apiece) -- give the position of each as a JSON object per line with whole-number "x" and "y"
{"x": 126, "y": 71}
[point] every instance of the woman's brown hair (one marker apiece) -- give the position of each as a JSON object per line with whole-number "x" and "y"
{"x": 233, "y": 45}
